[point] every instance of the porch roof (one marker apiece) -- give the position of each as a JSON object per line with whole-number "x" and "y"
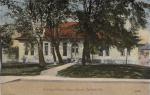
{"x": 145, "y": 47}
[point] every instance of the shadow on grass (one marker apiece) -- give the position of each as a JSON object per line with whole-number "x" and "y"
{"x": 107, "y": 71}
{"x": 23, "y": 69}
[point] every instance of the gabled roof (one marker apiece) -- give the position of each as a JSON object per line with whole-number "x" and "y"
{"x": 145, "y": 47}
{"x": 66, "y": 31}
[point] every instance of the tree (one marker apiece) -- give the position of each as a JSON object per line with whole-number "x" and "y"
{"x": 56, "y": 14}
{"x": 28, "y": 18}
{"x": 51, "y": 13}
{"x": 35, "y": 9}
{"x": 105, "y": 21}
{"x": 129, "y": 41}
{"x": 5, "y": 39}
{"x": 37, "y": 14}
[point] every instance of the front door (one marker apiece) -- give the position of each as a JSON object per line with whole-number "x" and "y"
{"x": 74, "y": 51}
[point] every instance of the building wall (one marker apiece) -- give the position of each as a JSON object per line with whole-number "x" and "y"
{"x": 114, "y": 57}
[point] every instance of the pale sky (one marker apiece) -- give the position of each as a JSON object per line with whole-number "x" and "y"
{"x": 3, "y": 17}
{"x": 3, "y": 14}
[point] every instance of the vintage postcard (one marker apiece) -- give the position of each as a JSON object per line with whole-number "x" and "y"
{"x": 74, "y": 47}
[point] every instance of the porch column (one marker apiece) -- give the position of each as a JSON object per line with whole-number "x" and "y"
{"x": 69, "y": 50}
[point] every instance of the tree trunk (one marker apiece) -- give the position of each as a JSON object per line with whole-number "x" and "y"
{"x": 83, "y": 55}
{"x": 92, "y": 58}
{"x": 86, "y": 53}
{"x": 126, "y": 53}
{"x": 58, "y": 54}
{"x": 1, "y": 52}
{"x": 41, "y": 55}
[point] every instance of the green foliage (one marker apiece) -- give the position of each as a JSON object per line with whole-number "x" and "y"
{"x": 109, "y": 17}
{"x": 50, "y": 11}
{"x": 33, "y": 15}
{"x": 6, "y": 32}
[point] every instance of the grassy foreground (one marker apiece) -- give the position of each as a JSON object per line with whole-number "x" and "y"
{"x": 107, "y": 71}
{"x": 23, "y": 69}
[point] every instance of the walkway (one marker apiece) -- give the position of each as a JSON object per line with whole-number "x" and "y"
{"x": 46, "y": 74}
{"x": 5, "y": 79}
{"x": 53, "y": 71}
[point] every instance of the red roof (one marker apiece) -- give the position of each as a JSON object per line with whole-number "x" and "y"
{"x": 66, "y": 30}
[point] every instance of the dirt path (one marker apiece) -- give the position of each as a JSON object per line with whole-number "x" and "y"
{"x": 59, "y": 87}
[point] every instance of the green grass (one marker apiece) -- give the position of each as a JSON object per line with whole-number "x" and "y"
{"x": 23, "y": 69}
{"x": 107, "y": 71}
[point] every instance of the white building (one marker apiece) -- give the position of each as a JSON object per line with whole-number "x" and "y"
{"x": 71, "y": 49}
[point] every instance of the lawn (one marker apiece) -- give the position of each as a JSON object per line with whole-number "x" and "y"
{"x": 107, "y": 71}
{"x": 23, "y": 69}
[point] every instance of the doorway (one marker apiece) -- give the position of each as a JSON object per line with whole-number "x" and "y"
{"x": 74, "y": 51}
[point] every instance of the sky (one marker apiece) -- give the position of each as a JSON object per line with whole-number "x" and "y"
{"x": 3, "y": 14}
{"x": 3, "y": 18}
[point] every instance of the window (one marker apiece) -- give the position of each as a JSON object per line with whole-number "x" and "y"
{"x": 32, "y": 49}
{"x": 73, "y": 50}
{"x": 26, "y": 50}
{"x": 100, "y": 52}
{"x": 125, "y": 51}
{"x": 64, "y": 49}
{"x": 77, "y": 50}
{"x": 122, "y": 52}
{"x": 128, "y": 51}
{"x": 102, "y": 49}
{"x": 46, "y": 48}
{"x": 107, "y": 51}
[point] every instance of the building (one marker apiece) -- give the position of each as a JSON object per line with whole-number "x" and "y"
{"x": 71, "y": 46}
